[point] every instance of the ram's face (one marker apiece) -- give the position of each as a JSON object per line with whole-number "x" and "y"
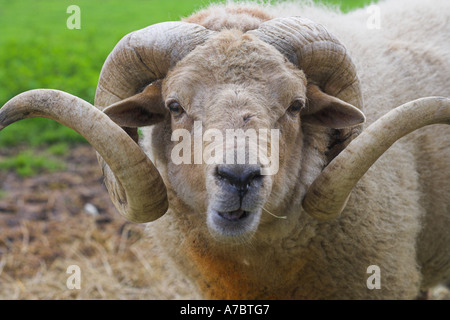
{"x": 234, "y": 121}
{"x": 235, "y": 105}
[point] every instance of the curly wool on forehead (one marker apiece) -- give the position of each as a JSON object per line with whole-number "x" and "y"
{"x": 234, "y": 56}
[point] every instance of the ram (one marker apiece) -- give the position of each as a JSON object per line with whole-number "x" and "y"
{"x": 337, "y": 92}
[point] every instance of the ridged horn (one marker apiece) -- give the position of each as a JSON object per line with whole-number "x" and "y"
{"x": 324, "y": 60}
{"x": 140, "y": 58}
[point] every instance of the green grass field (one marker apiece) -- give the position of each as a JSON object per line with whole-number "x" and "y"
{"x": 37, "y": 50}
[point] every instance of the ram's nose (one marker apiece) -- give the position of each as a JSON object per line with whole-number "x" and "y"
{"x": 239, "y": 177}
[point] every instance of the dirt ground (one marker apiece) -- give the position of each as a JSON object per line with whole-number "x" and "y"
{"x": 55, "y": 220}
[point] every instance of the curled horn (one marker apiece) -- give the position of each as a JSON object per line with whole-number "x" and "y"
{"x": 141, "y": 57}
{"x": 326, "y": 63}
{"x": 322, "y": 57}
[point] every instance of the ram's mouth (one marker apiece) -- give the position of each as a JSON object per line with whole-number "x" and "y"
{"x": 234, "y": 216}
{"x": 231, "y": 226}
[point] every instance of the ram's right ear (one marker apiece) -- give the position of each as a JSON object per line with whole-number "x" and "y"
{"x": 328, "y": 111}
{"x": 143, "y": 109}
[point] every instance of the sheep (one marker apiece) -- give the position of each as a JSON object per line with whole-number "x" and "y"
{"x": 340, "y": 206}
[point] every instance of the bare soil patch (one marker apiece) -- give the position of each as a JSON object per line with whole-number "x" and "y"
{"x": 54, "y": 220}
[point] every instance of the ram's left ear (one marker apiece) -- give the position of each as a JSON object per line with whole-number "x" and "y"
{"x": 328, "y": 111}
{"x": 143, "y": 109}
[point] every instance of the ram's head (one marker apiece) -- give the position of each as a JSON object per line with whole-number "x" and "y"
{"x": 289, "y": 77}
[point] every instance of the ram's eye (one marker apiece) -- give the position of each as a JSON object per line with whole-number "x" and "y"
{"x": 175, "y": 108}
{"x": 296, "y": 106}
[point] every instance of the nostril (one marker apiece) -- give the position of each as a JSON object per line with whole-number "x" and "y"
{"x": 239, "y": 176}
